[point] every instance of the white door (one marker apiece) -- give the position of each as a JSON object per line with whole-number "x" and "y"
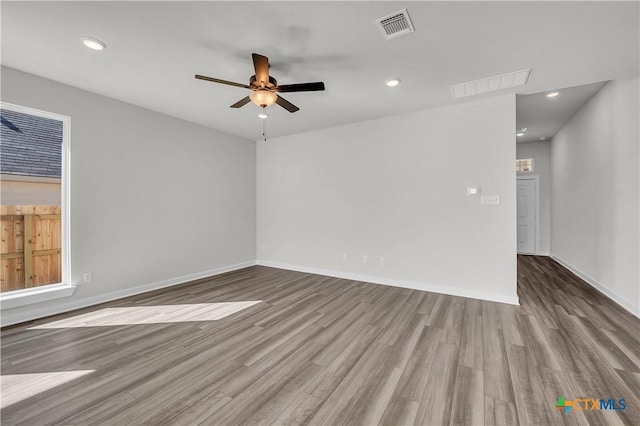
{"x": 526, "y": 190}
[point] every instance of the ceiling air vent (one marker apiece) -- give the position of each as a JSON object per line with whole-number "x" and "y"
{"x": 489, "y": 84}
{"x": 395, "y": 25}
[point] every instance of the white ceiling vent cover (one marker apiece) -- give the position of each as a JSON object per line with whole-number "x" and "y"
{"x": 490, "y": 84}
{"x": 395, "y": 25}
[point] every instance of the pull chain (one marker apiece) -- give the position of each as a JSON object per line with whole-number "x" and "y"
{"x": 264, "y": 124}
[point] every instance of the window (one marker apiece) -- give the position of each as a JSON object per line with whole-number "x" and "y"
{"x": 34, "y": 148}
{"x": 524, "y": 165}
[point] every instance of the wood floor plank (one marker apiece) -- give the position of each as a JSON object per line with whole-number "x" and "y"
{"x": 499, "y": 413}
{"x": 591, "y": 372}
{"x": 614, "y": 355}
{"x": 509, "y": 323}
{"x": 288, "y": 348}
{"x": 471, "y": 348}
{"x": 468, "y": 397}
{"x": 349, "y": 389}
{"x": 632, "y": 380}
{"x": 342, "y": 364}
{"x": 264, "y": 387}
{"x": 528, "y": 387}
{"x": 280, "y": 400}
{"x": 298, "y": 411}
{"x": 556, "y": 384}
{"x": 498, "y": 382}
{"x": 436, "y": 403}
{"x": 374, "y": 397}
{"x": 536, "y": 337}
{"x": 414, "y": 381}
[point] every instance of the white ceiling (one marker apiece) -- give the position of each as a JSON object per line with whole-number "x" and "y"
{"x": 543, "y": 116}
{"x": 155, "y": 48}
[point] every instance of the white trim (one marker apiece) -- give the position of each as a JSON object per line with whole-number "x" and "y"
{"x": 635, "y": 310}
{"x": 414, "y": 285}
{"x": 28, "y": 296}
{"x": 18, "y": 317}
{"x": 536, "y": 212}
{"x": 32, "y": 111}
{"x": 65, "y": 175}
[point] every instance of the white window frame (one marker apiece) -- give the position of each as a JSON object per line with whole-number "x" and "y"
{"x": 27, "y": 296}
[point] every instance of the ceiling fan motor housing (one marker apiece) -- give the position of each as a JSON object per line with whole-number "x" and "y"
{"x": 258, "y": 84}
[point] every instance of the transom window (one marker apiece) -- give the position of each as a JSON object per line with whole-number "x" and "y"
{"x": 524, "y": 165}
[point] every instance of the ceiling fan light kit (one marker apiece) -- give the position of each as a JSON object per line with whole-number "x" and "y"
{"x": 263, "y": 98}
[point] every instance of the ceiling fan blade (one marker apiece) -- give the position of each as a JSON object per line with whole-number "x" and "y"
{"x": 301, "y": 87}
{"x": 261, "y": 66}
{"x": 242, "y": 102}
{"x": 286, "y": 104}
{"x": 217, "y": 80}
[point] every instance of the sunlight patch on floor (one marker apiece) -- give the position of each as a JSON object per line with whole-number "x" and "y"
{"x": 17, "y": 387}
{"x": 156, "y": 314}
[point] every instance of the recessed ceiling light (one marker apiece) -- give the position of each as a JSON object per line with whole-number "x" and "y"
{"x": 552, "y": 94}
{"x": 93, "y": 43}
{"x": 520, "y": 134}
{"x": 393, "y": 82}
{"x": 542, "y": 138}
{"x": 263, "y": 115}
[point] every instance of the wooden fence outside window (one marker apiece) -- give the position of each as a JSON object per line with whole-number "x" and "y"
{"x": 31, "y": 246}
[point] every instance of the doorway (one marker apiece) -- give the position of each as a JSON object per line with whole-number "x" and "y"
{"x": 528, "y": 206}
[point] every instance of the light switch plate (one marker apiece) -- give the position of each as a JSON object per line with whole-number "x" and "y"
{"x": 490, "y": 199}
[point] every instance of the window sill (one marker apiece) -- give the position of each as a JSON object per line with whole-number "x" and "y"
{"x": 35, "y": 295}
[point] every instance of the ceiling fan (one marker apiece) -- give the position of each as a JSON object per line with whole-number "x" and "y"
{"x": 264, "y": 88}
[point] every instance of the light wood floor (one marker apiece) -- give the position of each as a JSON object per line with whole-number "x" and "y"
{"x": 308, "y": 349}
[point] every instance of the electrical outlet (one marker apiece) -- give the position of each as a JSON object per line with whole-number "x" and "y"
{"x": 364, "y": 259}
{"x": 490, "y": 199}
{"x": 382, "y": 261}
{"x": 344, "y": 257}
{"x": 86, "y": 277}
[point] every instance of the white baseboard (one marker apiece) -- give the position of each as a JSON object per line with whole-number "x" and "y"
{"x": 635, "y": 310}
{"x": 473, "y": 294}
{"x": 24, "y": 314}
{"x": 538, "y": 253}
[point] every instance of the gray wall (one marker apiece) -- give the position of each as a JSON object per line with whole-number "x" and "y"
{"x": 541, "y": 154}
{"x": 595, "y": 191}
{"x": 153, "y": 198}
{"x": 396, "y": 188}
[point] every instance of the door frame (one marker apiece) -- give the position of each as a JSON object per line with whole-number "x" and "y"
{"x": 536, "y": 220}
